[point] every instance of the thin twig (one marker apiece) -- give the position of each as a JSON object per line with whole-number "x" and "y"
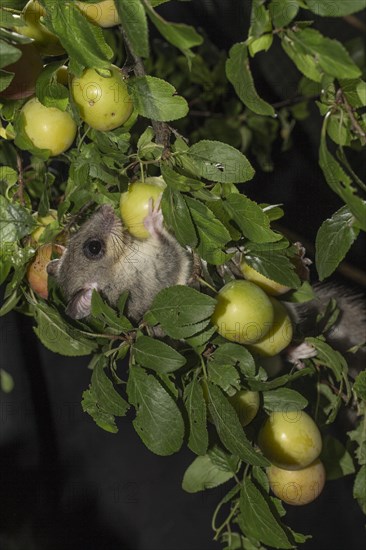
{"x": 355, "y": 124}
{"x": 355, "y": 22}
{"x": 294, "y": 101}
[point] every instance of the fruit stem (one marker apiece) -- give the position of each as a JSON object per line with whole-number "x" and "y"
{"x": 81, "y": 140}
{"x": 226, "y": 522}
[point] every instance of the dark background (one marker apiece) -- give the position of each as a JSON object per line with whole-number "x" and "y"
{"x": 65, "y": 483}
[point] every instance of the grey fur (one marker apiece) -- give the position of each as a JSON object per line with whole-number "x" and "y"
{"x": 142, "y": 267}
{"x": 350, "y": 327}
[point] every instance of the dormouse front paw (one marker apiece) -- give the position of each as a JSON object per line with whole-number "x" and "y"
{"x": 154, "y": 220}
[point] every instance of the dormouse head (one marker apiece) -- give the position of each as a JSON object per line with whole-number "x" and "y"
{"x": 89, "y": 259}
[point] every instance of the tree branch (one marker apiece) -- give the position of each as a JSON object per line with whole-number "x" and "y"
{"x": 161, "y": 129}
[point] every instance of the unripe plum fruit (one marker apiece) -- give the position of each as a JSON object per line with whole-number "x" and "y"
{"x": 48, "y": 127}
{"x": 279, "y": 335}
{"x": 290, "y": 439}
{"x": 102, "y": 13}
{"x": 103, "y": 102}
{"x": 243, "y": 313}
{"x": 297, "y": 487}
{"x": 246, "y": 404}
{"x": 45, "y": 41}
{"x": 42, "y": 223}
{"x": 134, "y": 205}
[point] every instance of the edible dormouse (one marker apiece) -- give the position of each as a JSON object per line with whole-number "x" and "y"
{"x": 103, "y": 256}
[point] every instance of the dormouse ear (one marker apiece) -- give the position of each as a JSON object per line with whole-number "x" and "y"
{"x": 80, "y": 304}
{"x": 53, "y": 268}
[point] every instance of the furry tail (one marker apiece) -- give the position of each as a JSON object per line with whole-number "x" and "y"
{"x": 350, "y": 328}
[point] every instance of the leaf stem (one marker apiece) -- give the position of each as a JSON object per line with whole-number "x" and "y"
{"x": 205, "y": 283}
{"x": 204, "y": 367}
{"x": 224, "y": 523}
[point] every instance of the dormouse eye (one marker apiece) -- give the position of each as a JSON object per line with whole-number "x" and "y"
{"x": 94, "y": 249}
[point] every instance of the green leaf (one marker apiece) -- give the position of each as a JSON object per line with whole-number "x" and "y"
{"x": 203, "y": 474}
{"x": 358, "y": 435}
{"x": 212, "y": 234}
{"x": 15, "y": 221}
{"x": 276, "y": 266}
{"x": 156, "y": 355}
{"x": 304, "y": 294}
{"x": 223, "y": 460}
{"x": 177, "y": 181}
{"x": 259, "y": 385}
{"x": 156, "y": 99}
{"x": 335, "y": 8}
{"x": 334, "y": 238}
{"x": 329, "y": 357}
{"x": 9, "y": 20}
{"x": 101, "y": 310}
{"x": 283, "y": 12}
{"x": 257, "y": 520}
{"x": 360, "y": 385}
{"x": 58, "y": 336}
{"x": 107, "y": 397}
{"x": 332, "y": 58}
{"x": 251, "y": 219}
{"x": 197, "y": 416}
{"x": 236, "y": 355}
{"x": 305, "y": 62}
{"x": 229, "y": 428}
{"x": 217, "y": 161}
{"x": 8, "y": 54}
{"x": 5, "y": 79}
{"x": 263, "y": 43}
{"x": 184, "y": 37}
{"x": 260, "y": 21}
{"x": 90, "y": 49}
{"x": 336, "y": 459}
{"x": 200, "y": 339}
{"x": 223, "y": 375}
{"x": 341, "y": 184}
{"x": 10, "y": 303}
{"x": 239, "y": 74}
{"x": 177, "y": 216}
{"x": 158, "y": 421}
{"x": 133, "y": 19}
{"x": 6, "y": 381}
{"x": 103, "y": 419}
{"x": 284, "y": 399}
{"x": 182, "y": 311}
{"x": 359, "y": 488}
{"x": 50, "y": 92}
